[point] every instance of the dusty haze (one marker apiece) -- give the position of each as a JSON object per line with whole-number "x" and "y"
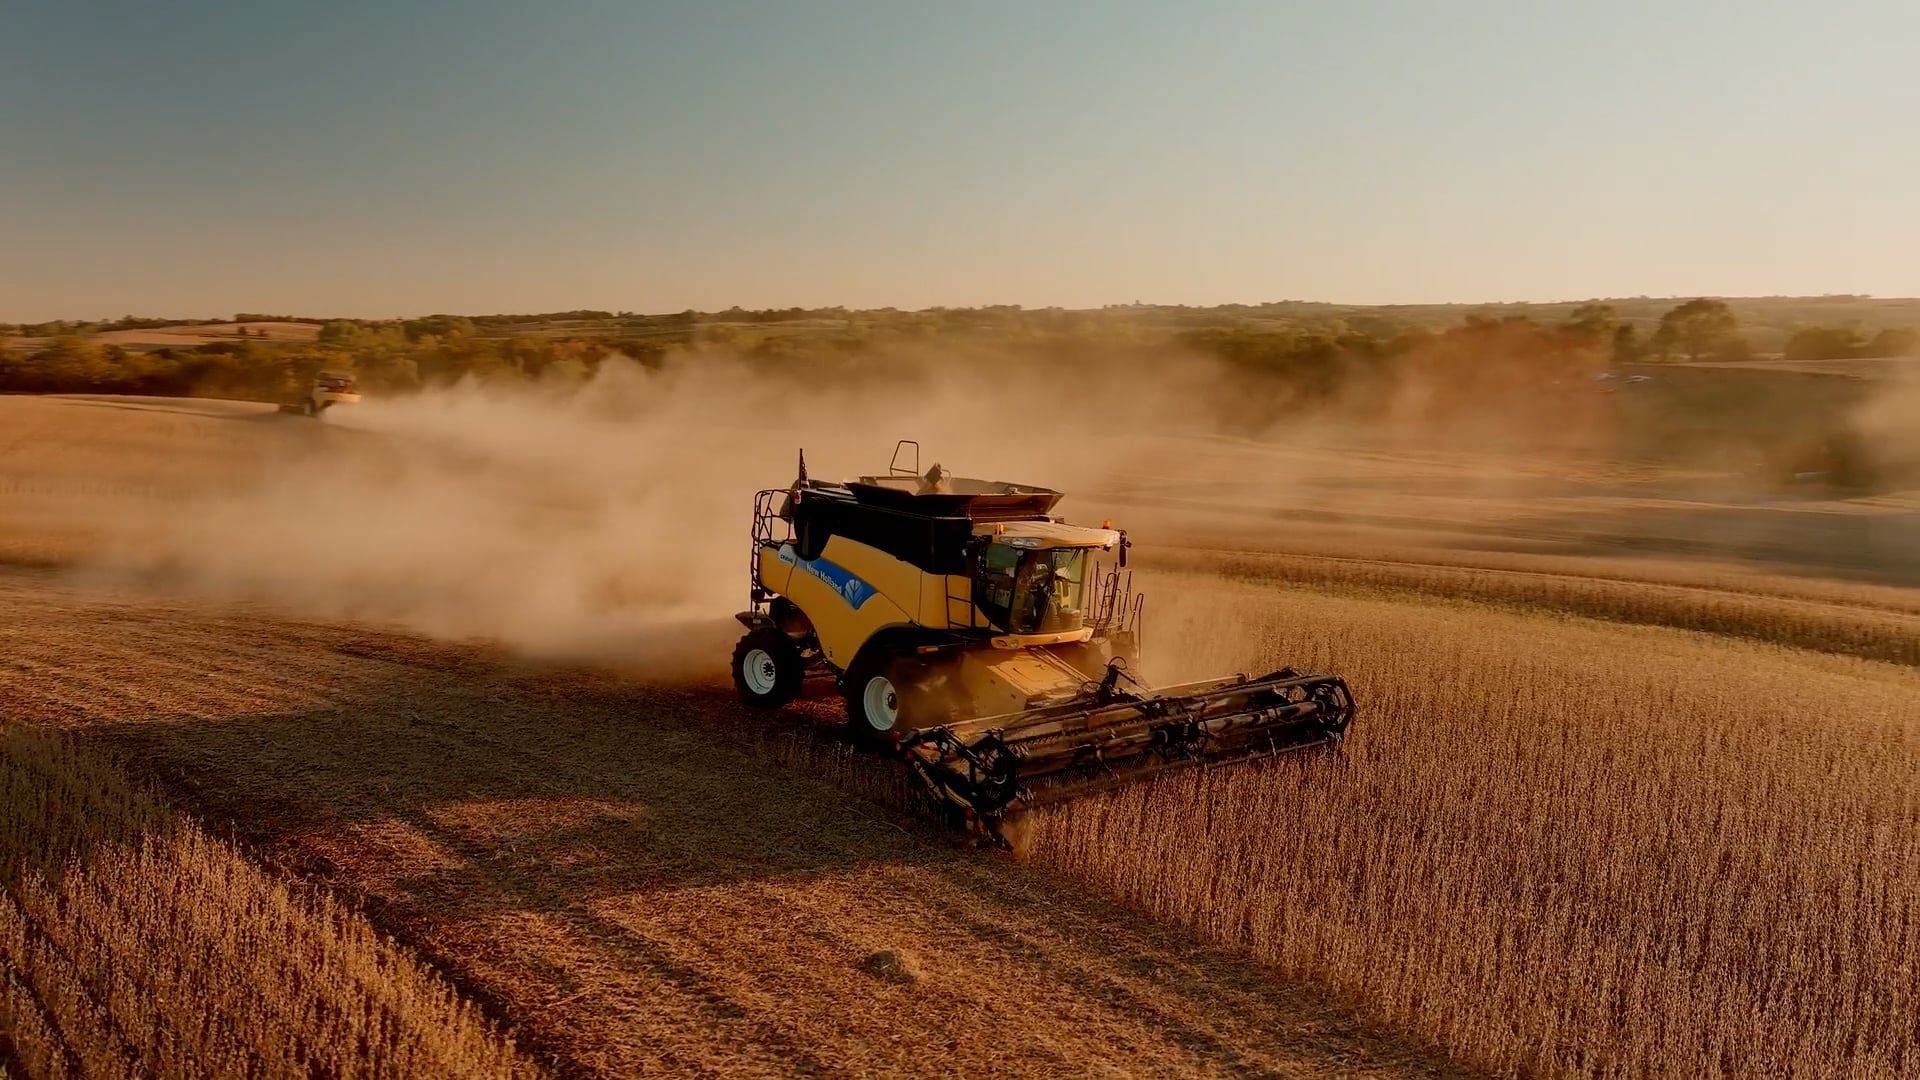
{"x": 608, "y": 521}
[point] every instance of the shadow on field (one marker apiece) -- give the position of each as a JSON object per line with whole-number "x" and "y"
{"x": 596, "y": 789}
{"x": 552, "y": 836}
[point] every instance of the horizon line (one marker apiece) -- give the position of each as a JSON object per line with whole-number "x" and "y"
{"x": 1141, "y": 304}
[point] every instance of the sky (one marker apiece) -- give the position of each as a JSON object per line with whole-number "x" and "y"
{"x": 404, "y": 157}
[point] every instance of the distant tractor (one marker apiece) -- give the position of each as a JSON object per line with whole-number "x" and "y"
{"x": 329, "y": 388}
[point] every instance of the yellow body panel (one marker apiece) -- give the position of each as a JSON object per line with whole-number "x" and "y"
{"x": 901, "y": 594}
{"x": 853, "y": 591}
{"x": 774, "y": 571}
{"x": 847, "y": 593}
{"x": 997, "y": 681}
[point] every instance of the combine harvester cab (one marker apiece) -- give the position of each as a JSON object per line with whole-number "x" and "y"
{"x": 990, "y": 644}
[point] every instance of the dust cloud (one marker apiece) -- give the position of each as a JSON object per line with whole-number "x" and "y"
{"x": 606, "y": 521}
{"x": 1888, "y": 425}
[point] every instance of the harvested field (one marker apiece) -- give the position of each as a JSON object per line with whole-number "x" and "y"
{"x": 628, "y": 882}
{"x": 76, "y": 471}
{"x": 1876, "y": 626}
{"x": 1873, "y": 367}
{"x": 133, "y": 944}
{"x": 1607, "y": 811}
{"x": 161, "y": 337}
{"x": 1743, "y": 579}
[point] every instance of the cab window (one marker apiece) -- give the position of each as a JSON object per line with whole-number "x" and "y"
{"x": 993, "y": 583}
{"x": 1031, "y": 591}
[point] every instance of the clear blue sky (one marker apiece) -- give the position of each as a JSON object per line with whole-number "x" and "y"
{"x": 404, "y": 157}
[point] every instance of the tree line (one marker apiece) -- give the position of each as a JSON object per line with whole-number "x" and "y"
{"x": 1289, "y": 360}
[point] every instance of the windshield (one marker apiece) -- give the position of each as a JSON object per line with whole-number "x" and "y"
{"x": 1028, "y": 591}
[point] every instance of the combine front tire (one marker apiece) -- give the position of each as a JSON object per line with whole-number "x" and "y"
{"x": 873, "y": 703}
{"x": 890, "y": 697}
{"x": 767, "y": 668}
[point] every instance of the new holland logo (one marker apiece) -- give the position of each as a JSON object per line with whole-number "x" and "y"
{"x": 851, "y": 589}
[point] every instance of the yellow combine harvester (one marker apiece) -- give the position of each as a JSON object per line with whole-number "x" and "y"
{"x": 990, "y": 644}
{"x": 329, "y": 388}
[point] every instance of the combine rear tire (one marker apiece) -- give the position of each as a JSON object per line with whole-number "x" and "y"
{"x": 767, "y": 668}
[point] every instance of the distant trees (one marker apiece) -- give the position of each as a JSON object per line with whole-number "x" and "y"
{"x": 439, "y": 326}
{"x": 74, "y": 361}
{"x": 1698, "y": 328}
{"x": 339, "y": 332}
{"x": 1482, "y": 363}
{"x": 1895, "y": 341}
{"x": 1626, "y": 344}
{"x": 1824, "y": 343}
{"x": 1707, "y": 328}
{"x": 1846, "y": 342}
{"x": 502, "y": 321}
{"x": 68, "y": 362}
{"x": 136, "y": 322}
{"x": 1590, "y": 324}
{"x": 1281, "y": 356}
{"x": 1596, "y": 326}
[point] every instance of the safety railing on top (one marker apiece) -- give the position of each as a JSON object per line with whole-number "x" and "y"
{"x": 768, "y": 528}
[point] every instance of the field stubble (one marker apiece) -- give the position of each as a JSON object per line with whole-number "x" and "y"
{"x": 638, "y": 879}
{"x": 134, "y": 944}
{"x": 1554, "y": 846}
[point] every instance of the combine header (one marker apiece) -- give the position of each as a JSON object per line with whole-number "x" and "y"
{"x": 982, "y": 639}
